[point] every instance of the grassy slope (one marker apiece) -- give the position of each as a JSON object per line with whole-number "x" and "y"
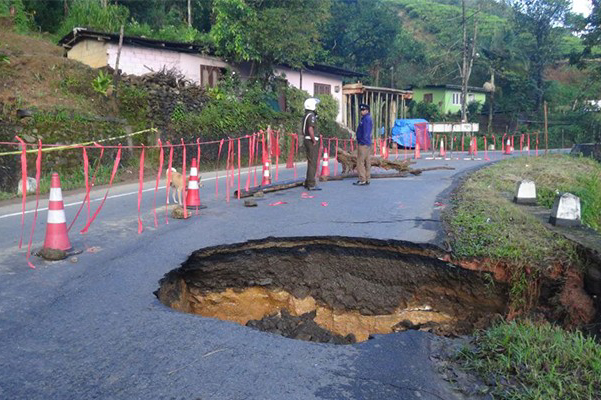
{"x": 487, "y": 224}
{"x": 38, "y": 76}
{"x": 66, "y": 107}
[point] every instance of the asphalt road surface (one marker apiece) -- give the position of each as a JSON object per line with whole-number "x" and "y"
{"x": 93, "y": 328}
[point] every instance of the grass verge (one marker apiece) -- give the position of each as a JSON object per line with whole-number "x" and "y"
{"x": 484, "y": 223}
{"x": 524, "y": 361}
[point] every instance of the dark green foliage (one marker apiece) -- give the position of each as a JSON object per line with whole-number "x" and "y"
{"x": 427, "y": 111}
{"x": 275, "y": 31}
{"x": 90, "y": 14}
{"x": 366, "y": 43}
{"x": 133, "y": 102}
{"x": 22, "y": 19}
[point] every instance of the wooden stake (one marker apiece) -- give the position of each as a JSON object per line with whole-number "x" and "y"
{"x": 546, "y": 129}
{"x": 116, "y": 72}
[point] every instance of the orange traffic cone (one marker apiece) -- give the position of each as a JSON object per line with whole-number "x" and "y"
{"x": 443, "y": 152}
{"x": 508, "y": 147}
{"x": 266, "y": 172}
{"x": 325, "y": 164}
{"x": 56, "y": 228}
{"x": 417, "y": 155}
{"x": 475, "y": 147}
{"x": 193, "y": 192}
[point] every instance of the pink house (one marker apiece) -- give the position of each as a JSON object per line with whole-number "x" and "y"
{"x": 140, "y": 56}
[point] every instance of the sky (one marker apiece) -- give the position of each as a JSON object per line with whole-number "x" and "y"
{"x": 582, "y": 7}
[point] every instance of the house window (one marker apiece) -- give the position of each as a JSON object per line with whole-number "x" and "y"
{"x": 456, "y": 101}
{"x": 209, "y": 76}
{"x": 321, "y": 88}
{"x": 428, "y": 98}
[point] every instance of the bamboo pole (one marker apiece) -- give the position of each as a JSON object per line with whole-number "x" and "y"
{"x": 356, "y": 111}
{"x": 403, "y": 115}
{"x": 388, "y": 109}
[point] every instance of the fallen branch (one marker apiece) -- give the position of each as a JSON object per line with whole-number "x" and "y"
{"x": 349, "y": 162}
{"x": 270, "y": 188}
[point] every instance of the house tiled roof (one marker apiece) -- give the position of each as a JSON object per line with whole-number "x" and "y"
{"x": 79, "y": 34}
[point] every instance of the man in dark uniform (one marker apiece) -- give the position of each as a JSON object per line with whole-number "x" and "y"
{"x": 364, "y": 146}
{"x": 311, "y": 142}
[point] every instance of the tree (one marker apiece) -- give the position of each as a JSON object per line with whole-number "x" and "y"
{"x": 592, "y": 32}
{"x": 539, "y": 21}
{"x": 269, "y": 32}
{"x": 360, "y": 35}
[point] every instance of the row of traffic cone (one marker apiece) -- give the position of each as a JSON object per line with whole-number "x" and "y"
{"x": 325, "y": 168}
{"x": 56, "y": 237}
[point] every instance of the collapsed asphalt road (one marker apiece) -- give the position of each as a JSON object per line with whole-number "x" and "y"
{"x": 92, "y": 328}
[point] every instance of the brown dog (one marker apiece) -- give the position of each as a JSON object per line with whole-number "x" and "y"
{"x": 177, "y": 184}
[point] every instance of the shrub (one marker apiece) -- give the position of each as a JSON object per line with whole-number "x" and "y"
{"x": 427, "y": 111}
{"x": 90, "y": 14}
{"x": 23, "y": 21}
{"x": 134, "y": 105}
{"x": 102, "y": 83}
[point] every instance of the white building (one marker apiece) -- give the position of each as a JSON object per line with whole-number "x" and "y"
{"x": 140, "y": 56}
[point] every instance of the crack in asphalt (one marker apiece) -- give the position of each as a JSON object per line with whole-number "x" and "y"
{"x": 387, "y": 221}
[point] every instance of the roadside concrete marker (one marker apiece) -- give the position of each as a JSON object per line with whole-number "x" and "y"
{"x": 566, "y": 210}
{"x": 525, "y": 192}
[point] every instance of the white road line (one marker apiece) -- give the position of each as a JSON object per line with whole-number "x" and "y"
{"x": 118, "y": 195}
{"x": 79, "y": 202}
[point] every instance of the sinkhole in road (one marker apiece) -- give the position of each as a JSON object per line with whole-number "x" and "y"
{"x": 333, "y": 289}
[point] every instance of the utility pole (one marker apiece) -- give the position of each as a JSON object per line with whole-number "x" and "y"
{"x": 464, "y": 65}
{"x": 491, "y": 108}
{"x": 189, "y": 13}
{"x": 468, "y": 61}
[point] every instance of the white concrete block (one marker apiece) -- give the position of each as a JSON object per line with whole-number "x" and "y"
{"x": 566, "y": 210}
{"x": 525, "y": 192}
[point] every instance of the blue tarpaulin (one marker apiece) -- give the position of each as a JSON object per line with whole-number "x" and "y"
{"x": 404, "y": 133}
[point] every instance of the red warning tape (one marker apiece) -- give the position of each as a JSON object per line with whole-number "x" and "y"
{"x": 140, "y": 188}
{"x": 113, "y": 173}
{"x": 38, "y": 169}
{"x": 85, "y": 172}
{"x": 23, "y": 186}
{"x": 184, "y": 180}
{"x": 168, "y": 184}
{"x": 156, "y": 186}
{"x": 217, "y": 170}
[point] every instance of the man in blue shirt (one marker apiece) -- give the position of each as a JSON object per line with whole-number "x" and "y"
{"x": 364, "y": 146}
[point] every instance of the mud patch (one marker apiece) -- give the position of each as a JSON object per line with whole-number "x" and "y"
{"x": 333, "y": 289}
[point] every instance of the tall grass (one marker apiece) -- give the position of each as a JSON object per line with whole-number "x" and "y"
{"x": 589, "y": 192}
{"x": 528, "y": 361}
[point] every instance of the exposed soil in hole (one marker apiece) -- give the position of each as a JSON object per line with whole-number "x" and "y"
{"x": 333, "y": 289}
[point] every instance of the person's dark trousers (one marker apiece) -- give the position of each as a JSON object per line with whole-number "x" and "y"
{"x": 312, "y": 152}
